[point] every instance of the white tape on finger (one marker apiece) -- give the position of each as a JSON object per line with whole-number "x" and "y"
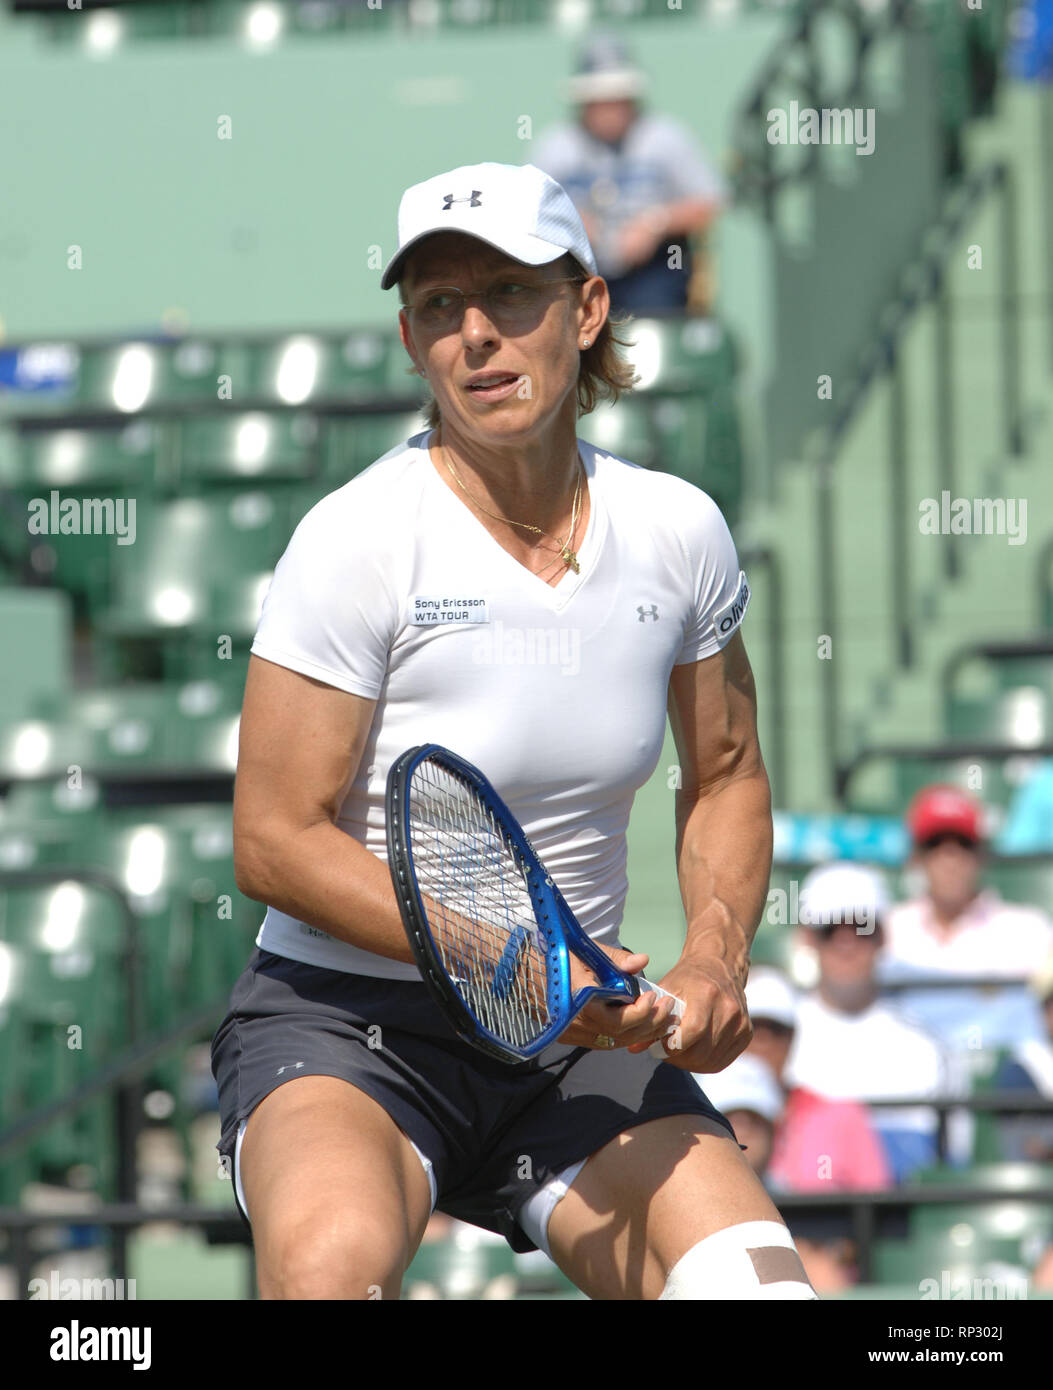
{"x": 657, "y": 1049}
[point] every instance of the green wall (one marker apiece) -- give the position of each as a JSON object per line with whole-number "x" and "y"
{"x": 275, "y": 227}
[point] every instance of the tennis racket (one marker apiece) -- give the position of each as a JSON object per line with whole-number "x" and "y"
{"x": 488, "y": 927}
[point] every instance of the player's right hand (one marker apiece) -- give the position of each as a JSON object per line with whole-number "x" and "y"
{"x": 643, "y": 1021}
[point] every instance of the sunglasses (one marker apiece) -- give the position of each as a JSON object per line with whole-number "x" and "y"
{"x": 827, "y": 933}
{"x": 947, "y": 837}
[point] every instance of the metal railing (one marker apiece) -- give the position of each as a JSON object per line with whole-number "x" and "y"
{"x": 1015, "y": 650}
{"x": 924, "y": 282}
{"x": 959, "y": 750}
{"x": 796, "y": 60}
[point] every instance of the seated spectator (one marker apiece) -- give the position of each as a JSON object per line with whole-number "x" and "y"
{"x": 749, "y": 1094}
{"x": 850, "y": 1046}
{"x": 958, "y": 927}
{"x": 827, "y": 1136}
{"x": 1029, "y": 1069}
{"x": 639, "y": 181}
{"x": 818, "y": 1144}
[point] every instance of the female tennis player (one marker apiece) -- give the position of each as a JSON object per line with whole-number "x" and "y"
{"x": 497, "y": 585}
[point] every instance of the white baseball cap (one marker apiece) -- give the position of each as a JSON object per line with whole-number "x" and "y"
{"x": 843, "y": 893}
{"x": 769, "y": 994}
{"x": 516, "y": 208}
{"x": 747, "y": 1084}
{"x": 606, "y": 72}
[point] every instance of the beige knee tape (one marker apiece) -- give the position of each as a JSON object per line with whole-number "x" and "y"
{"x": 753, "y": 1260}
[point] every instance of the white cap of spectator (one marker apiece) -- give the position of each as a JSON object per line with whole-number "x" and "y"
{"x": 516, "y": 208}
{"x": 839, "y": 894}
{"x": 606, "y": 72}
{"x": 770, "y": 995}
{"x": 747, "y": 1084}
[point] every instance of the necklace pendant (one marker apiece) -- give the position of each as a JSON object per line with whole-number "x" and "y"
{"x": 571, "y": 559}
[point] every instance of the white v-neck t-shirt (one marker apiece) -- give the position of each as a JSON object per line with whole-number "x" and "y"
{"x": 391, "y": 589}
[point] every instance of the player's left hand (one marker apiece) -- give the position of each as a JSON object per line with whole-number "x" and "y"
{"x": 716, "y": 1025}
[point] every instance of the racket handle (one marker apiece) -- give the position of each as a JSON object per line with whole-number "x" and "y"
{"x": 657, "y": 1049}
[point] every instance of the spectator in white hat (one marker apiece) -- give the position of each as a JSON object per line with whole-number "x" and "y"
{"x": 640, "y": 181}
{"x": 849, "y": 1045}
{"x": 749, "y": 1094}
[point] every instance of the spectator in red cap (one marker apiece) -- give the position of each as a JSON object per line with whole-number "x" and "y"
{"x": 957, "y": 926}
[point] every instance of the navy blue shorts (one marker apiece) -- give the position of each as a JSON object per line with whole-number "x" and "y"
{"x": 495, "y": 1134}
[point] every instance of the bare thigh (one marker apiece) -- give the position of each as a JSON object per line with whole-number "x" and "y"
{"x": 644, "y": 1199}
{"x": 337, "y": 1196}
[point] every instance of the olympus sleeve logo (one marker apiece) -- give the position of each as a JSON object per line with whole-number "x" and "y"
{"x": 728, "y": 619}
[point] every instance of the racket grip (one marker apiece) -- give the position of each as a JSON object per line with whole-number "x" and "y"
{"x": 657, "y": 1049}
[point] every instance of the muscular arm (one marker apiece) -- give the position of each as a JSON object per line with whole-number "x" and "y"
{"x": 300, "y": 746}
{"x": 723, "y": 850}
{"x": 723, "y": 805}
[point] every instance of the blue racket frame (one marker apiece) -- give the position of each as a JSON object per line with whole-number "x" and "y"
{"x": 557, "y": 924}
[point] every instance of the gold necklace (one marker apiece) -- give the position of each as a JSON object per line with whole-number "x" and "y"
{"x": 567, "y": 555}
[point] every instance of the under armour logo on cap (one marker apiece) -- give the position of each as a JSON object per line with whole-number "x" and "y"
{"x": 525, "y": 214}
{"x": 474, "y": 201}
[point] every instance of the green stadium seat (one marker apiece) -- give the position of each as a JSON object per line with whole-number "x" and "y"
{"x": 133, "y": 376}
{"x": 461, "y": 1269}
{"x": 136, "y": 728}
{"x": 66, "y": 1012}
{"x": 135, "y": 456}
{"x": 236, "y": 447}
{"x": 1021, "y": 717}
{"x": 693, "y": 354}
{"x": 699, "y": 440}
{"x": 998, "y": 1239}
{"x": 354, "y": 442}
{"x": 624, "y": 430}
{"x": 38, "y": 831}
{"x": 306, "y": 368}
{"x": 1029, "y": 882}
{"x": 36, "y": 635}
{"x": 168, "y": 583}
{"x": 1020, "y": 671}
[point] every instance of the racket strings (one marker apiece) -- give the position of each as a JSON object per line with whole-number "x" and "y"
{"x": 479, "y": 907}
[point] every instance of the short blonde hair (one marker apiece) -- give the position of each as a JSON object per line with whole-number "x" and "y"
{"x": 604, "y": 373}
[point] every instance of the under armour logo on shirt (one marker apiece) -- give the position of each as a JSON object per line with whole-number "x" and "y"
{"x": 294, "y": 1065}
{"x": 448, "y": 200}
{"x": 651, "y": 612}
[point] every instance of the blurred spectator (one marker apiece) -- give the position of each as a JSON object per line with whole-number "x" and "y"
{"x": 819, "y": 1144}
{"x": 958, "y": 927}
{"x": 1029, "y": 1069}
{"x": 639, "y": 181}
{"x": 850, "y": 1046}
{"x": 1030, "y": 55}
{"x": 749, "y": 1094}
